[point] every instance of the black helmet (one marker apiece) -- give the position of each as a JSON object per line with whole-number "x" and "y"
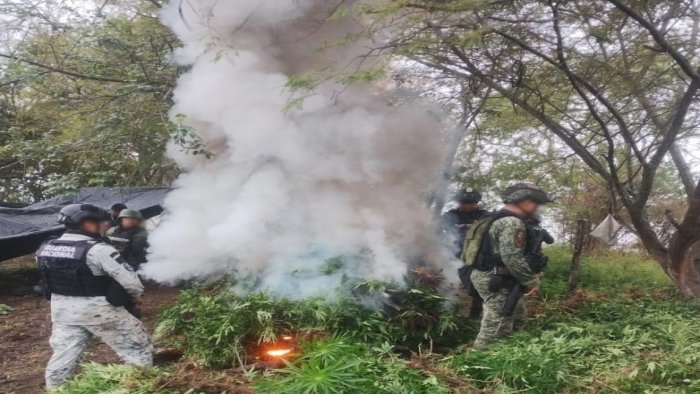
{"x": 525, "y": 191}
{"x": 73, "y": 214}
{"x": 468, "y": 195}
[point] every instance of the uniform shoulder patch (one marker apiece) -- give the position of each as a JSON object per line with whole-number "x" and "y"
{"x": 520, "y": 239}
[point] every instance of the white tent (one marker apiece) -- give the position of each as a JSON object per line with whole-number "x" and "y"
{"x": 606, "y": 231}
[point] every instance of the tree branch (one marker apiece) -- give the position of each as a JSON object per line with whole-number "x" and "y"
{"x": 681, "y": 60}
{"x": 595, "y": 92}
{"x": 594, "y": 112}
{"x": 155, "y": 3}
{"x": 683, "y": 169}
{"x": 674, "y": 127}
{"x": 550, "y": 123}
{"x": 65, "y": 72}
{"x": 669, "y": 216}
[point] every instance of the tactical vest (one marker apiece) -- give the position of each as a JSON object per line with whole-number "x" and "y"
{"x": 65, "y": 271}
{"x": 121, "y": 239}
{"x": 461, "y": 221}
{"x": 478, "y": 247}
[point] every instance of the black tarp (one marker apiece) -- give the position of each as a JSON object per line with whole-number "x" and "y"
{"x": 22, "y": 230}
{"x": 12, "y": 205}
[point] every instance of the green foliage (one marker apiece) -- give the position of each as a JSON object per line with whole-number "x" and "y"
{"x": 336, "y": 365}
{"x": 186, "y": 137}
{"x": 605, "y": 339}
{"x": 367, "y": 76}
{"x": 115, "y": 379}
{"x": 623, "y": 344}
{"x": 5, "y": 309}
{"x": 609, "y": 272}
{"x": 303, "y": 82}
{"x": 323, "y": 367}
{"x": 220, "y": 328}
{"x": 89, "y": 106}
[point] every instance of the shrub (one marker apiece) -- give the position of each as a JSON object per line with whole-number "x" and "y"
{"x": 220, "y": 328}
{"x": 621, "y": 344}
{"x": 114, "y": 379}
{"x": 336, "y": 365}
{"x": 614, "y": 336}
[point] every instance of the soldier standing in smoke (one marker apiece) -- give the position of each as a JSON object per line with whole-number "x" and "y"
{"x": 131, "y": 241}
{"x": 456, "y": 223}
{"x": 496, "y": 248}
{"x": 79, "y": 268}
{"x": 129, "y": 238}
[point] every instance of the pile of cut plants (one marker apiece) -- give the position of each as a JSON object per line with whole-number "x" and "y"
{"x": 605, "y": 338}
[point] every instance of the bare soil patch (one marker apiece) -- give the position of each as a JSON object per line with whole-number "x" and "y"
{"x": 25, "y": 330}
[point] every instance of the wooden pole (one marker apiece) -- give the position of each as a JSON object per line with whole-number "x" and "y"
{"x": 578, "y": 250}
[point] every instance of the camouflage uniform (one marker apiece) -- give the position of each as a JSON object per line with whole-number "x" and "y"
{"x": 76, "y": 319}
{"x": 508, "y": 237}
{"x": 131, "y": 243}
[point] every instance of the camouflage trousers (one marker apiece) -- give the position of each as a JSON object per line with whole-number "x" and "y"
{"x": 127, "y": 337}
{"x": 493, "y": 325}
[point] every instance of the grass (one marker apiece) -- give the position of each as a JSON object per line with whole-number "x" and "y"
{"x": 641, "y": 345}
{"x": 115, "y": 379}
{"x": 625, "y": 331}
{"x": 223, "y": 330}
{"x": 606, "y": 272}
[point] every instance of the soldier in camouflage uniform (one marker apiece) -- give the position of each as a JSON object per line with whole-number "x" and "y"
{"x": 129, "y": 238}
{"x": 502, "y": 255}
{"x": 78, "y": 268}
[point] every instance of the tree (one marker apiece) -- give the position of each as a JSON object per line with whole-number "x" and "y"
{"x": 87, "y": 91}
{"x": 615, "y": 82}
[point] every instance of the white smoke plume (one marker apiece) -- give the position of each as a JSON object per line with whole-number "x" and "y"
{"x": 344, "y": 175}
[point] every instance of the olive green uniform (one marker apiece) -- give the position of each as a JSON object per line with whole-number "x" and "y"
{"x": 508, "y": 237}
{"x": 131, "y": 243}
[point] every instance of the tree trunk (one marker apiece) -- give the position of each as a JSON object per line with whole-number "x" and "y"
{"x": 578, "y": 250}
{"x": 684, "y": 274}
{"x": 681, "y": 261}
{"x": 675, "y": 260}
{"x": 682, "y": 266}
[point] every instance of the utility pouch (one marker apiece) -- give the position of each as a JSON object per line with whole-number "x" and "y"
{"x": 117, "y": 295}
{"x": 499, "y": 281}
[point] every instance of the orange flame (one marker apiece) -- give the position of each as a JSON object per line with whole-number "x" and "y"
{"x": 287, "y": 338}
{"x": 279, "y": 352}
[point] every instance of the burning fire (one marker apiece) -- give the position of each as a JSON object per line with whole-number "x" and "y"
{"x": 279, "y": 352}
{"x": 283, "y": 347}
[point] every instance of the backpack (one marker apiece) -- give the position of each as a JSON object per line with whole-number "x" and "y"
{"x": 474, "y": 239}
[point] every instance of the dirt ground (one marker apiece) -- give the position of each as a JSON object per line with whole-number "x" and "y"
{"x": 25, "y": 330}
